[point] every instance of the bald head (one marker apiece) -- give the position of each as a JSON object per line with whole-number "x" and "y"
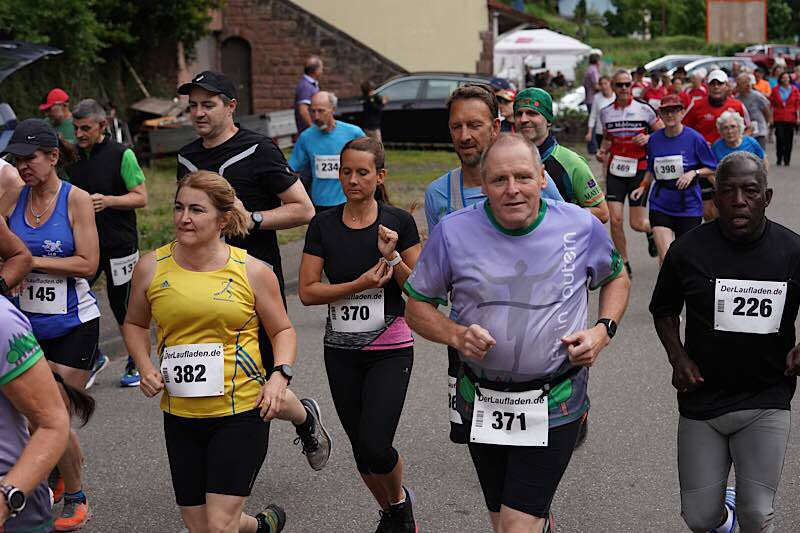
{"x": 323, "y": 106}
{"x": 313, "y": 67}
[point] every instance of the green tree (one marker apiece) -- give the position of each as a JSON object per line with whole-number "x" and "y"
{"x": 780, "y": 20}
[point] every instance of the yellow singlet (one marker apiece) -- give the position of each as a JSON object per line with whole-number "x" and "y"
{"x": 195, "y": 310}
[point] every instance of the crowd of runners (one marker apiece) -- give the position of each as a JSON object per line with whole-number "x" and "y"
{"x": 516, "y": 240}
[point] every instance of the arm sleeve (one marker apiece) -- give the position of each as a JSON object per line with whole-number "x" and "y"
{"x": 408, "y": 235}
{"x": 587, "y": 190}
{"x": 667, "y": 299}
{"x": 757, "y": 148}
{"x": 431, "y": 209}
{"x": 132, "y": 173}
{"x": 704, "y": 154}
{"x": 19, "y": 350}
{"x": 274, "y": 171}
{"x": 298, "y": 161}
{"x": 430, "y": 281}
{"x": 604, "y": 262}
{"x": 313, "y": 245}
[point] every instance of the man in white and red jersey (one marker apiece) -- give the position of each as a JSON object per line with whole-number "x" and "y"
{"x": 627, "y": 125}
{"x": 702, "y": 114}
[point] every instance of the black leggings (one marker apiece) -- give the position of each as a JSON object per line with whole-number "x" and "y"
{"x": 784, "y": 135}
{"x": 117, "y": 294}
{"x": 369, "y": 390}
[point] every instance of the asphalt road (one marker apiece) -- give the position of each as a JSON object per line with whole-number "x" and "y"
{"x": 623, "y": 479}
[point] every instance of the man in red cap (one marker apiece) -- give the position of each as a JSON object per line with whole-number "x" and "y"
{"x": 56, "y": 110}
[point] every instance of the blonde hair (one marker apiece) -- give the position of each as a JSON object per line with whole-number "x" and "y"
{"x": 222, "y": 197}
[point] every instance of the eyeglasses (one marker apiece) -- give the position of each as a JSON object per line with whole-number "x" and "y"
{"x": 623, "y": 84}
{"x": 670, "y": 110}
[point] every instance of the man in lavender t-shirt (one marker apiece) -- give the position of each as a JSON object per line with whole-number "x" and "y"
{"x": 517, "y": 268}
{"x": 307, "y": 87}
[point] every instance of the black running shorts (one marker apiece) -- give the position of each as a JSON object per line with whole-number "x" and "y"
{"x": 76, "y": 349}
{"x": 524, "y": 478}
{"x": 679, "y": 225}
{"x": 617, "y": 189}
{"x": 220, "y": 455}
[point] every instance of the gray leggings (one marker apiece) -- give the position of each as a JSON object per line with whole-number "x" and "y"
{"x": 754, "y": 440}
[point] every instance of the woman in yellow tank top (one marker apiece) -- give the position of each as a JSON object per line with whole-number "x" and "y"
{"x": 207, "y": 299}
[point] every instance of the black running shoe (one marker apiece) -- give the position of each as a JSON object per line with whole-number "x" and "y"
{"x": 652, "y": 249}
{"x": 403, "y": 514}
{"x": 385, "y": 524}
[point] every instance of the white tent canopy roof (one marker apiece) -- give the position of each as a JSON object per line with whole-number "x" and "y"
{"x": 540, "y": 42}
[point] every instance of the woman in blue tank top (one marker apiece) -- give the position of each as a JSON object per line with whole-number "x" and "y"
{"x": 56, "y": 222}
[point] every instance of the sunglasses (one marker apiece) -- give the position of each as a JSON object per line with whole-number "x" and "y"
{"x": 623, "y": 84}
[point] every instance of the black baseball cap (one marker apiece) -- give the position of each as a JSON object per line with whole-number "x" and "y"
{"x": 211, "y": 81}
{"x": 30, "y": 135}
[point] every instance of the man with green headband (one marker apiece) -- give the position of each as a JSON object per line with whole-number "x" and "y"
{"x": 533, "y": 117}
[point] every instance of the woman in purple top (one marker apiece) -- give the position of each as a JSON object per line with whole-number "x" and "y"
{"x": 676, "y": 156}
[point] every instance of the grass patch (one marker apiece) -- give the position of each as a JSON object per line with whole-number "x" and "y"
{"x": 409, "y": 173}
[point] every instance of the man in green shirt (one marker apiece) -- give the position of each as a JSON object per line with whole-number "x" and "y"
{"x": 110, "y": 173}
{"x": 57, "y": 113}
{"x": 533, "y": 117}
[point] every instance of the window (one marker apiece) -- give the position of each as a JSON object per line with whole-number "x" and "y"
{"x": 402, "y": 90}
{"x": 440, "y": 89}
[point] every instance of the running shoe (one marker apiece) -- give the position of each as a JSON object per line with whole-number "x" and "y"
{"x": 652, "y": 249}
{"x": 730, "y": 503}
{"x": 56, "y": 484}
{"x": 582, "y": 430}
{"x": 131, "y": 376}
{"x": 385, "y": 523}
{"x": 316, "y": 440}
{"x": 74, "y": 515}
{"x": 272, "y": 519}
{"x": 100, "y": 364}
{"x": 403, "y": 514}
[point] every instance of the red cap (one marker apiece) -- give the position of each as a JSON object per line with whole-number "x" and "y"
{"x": 56, "y": 96}
{"x": 671, "y": 100}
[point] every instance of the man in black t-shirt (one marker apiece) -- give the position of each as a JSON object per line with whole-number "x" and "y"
{"x": 735, "y": 374}
{"x": 271, "y": 196}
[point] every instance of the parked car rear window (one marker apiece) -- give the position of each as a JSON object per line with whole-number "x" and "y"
{"x": 440, "y": 89}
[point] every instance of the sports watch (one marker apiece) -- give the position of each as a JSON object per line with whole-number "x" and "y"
{"x": 286, "y": 371}
{"x": 611, "y": 326}
{"x": 257, "y": 219}
{"x": 15, "y": 499}
{"x": 4, "y": 289}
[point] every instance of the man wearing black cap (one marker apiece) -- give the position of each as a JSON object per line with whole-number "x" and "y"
{"x": 271, "y": 196}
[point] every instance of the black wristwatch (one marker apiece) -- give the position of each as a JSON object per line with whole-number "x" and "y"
{"x": 286, "y": 371}
{"x": 4, "y": 290}
{"x": 257, "y": 219}
{"x": 611, "y": 326}
{"x": 15, "y": 499}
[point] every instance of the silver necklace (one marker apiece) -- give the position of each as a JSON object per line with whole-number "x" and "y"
{"x": 46, "y": 209}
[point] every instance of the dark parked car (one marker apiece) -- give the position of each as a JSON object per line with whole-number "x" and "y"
{"x": 415, "y": 111}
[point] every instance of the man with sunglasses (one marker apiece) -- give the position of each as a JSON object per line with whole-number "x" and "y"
{"x": 627, "y": 125}
{"x": 702, "y": 115}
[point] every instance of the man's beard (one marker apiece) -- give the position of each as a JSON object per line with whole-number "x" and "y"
{"x": 322, "y": 126}
{"x": 471, "y": 160}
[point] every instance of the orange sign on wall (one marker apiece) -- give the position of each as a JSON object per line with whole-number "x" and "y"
{"x": 736, "y": 21}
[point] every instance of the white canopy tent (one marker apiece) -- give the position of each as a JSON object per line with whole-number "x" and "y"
{"x": 517, "y": 50}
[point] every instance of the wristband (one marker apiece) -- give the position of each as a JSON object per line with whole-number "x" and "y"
{"x": 396, "y": 261}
